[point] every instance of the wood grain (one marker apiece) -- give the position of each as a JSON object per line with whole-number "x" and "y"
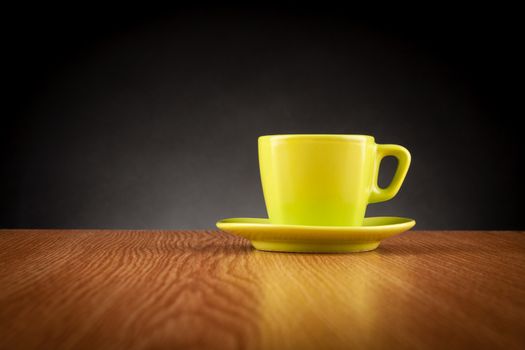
{"x": 196, "y": 290}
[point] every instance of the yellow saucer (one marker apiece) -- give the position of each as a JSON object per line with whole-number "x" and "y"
{"x": 316, "y": 239}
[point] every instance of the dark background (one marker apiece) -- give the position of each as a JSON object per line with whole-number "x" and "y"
{"x": 149, "y": 118}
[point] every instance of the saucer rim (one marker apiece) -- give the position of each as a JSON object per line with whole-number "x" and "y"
{"x": 234, "y": 221}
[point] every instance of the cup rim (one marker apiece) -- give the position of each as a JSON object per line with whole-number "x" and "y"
{"x": 319, "y": 137}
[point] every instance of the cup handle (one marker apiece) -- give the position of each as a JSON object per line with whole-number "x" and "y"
{"x": 379, "y": 194}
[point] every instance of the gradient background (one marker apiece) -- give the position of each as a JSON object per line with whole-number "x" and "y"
{"x": 141, "y": 118}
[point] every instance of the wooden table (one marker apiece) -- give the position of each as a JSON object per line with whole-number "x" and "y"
{"x": 196, "y": 289}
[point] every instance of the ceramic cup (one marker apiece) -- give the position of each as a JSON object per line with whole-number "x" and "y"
{"x": 325, "y": 180}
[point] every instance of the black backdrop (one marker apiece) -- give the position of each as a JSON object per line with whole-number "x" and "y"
{"x": 141, "y": 118}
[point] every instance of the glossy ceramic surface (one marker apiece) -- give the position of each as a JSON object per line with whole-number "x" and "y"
{"x": 325, "y": 180}
{"x": 323, "y": 239}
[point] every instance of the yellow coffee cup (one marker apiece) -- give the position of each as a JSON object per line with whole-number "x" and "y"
{"x": 326, "y": 180}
